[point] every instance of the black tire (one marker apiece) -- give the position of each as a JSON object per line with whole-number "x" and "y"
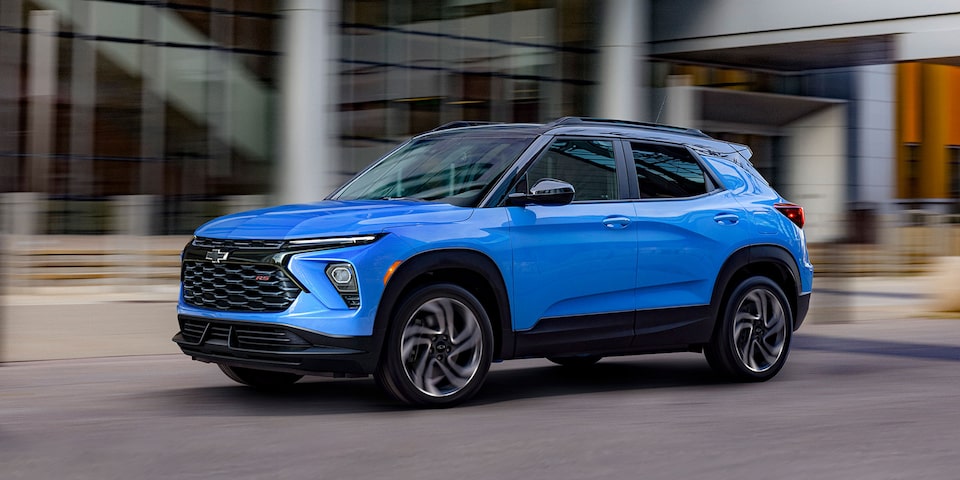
{"x": 752, "y": 338}
{"x": 576, "y": 361}
{"x": 260, "y": 379}
{"x": 438, "y": 348}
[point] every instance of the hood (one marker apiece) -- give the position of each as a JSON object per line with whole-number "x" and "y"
{"x": 330, "y": 219}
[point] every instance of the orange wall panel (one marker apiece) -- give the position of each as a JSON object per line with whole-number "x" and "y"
{"x": 908, "y": 93}
{"x": 908, "y": 123}
{"x": 952, "y": 104}
{"x": 936, "y": 124}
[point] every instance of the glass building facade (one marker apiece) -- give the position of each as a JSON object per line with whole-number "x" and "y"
{"x": 408, "y": 66}
{"x": 149, "y": 109}
{"x": 162, "y": 114}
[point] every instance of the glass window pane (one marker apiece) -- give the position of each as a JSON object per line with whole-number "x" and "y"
{"x": 117, "y": 19}
{"x": 118, "y": 115}
{"x": 667, "y": 172}
{"x": 588, "y": 165}
{"x": 253, "y": 33}
{"x": 451, "y": 169}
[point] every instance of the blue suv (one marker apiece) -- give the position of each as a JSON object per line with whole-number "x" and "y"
{"x": 476, "y": 243}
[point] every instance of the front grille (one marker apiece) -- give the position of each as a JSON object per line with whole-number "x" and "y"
{"x": 236, "y": 287}
{"x": 205, "y": 242}
{"x": 242, "y": 336}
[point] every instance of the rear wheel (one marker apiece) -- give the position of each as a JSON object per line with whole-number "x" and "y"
{"x": 260, "y": 379}
{"x": 438, "y": 349}
{"x": 753, "y": 338}
{"x": 577, "y": 361}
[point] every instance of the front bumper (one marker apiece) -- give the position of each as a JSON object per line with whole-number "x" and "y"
{"x": 275, "y": 347}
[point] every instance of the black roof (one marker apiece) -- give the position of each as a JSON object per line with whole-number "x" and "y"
{"x": 568, "y": 121}
{"x": 609, "y": 125}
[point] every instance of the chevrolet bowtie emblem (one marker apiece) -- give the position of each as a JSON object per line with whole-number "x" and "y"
{"x": 216, "y": 255}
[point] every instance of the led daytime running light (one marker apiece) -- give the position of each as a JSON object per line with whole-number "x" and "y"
{"x": 358, "y": 240}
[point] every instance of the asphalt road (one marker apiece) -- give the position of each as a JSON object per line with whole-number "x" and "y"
{"x": 875, "y": 401}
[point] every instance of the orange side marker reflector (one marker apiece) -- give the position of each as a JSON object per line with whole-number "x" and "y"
{"x": 393, "y": 268}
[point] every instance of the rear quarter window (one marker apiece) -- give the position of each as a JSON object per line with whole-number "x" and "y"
{"x": 665, "y": 171}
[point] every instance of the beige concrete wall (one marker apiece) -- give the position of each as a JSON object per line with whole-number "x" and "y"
{"x": 815, "y": 173}
{"x": 944, "y": 284}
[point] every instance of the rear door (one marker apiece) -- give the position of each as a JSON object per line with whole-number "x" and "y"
{"x": 687, "y": 226}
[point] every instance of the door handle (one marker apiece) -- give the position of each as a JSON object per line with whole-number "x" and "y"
{"x": 727, "y": 218}
{"x": 616, "y": 222}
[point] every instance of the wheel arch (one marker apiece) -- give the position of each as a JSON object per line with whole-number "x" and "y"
{"x": 771, "y": 261}
{"x": 469, "y": 269}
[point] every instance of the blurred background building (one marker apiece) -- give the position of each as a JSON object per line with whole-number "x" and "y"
{"x": 149, "y": 117}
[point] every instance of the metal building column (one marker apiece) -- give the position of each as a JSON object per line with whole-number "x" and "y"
{"x": 874, "y": 97}
{"x": 622, "y": 85}
{"x": 680, "y": 104}
{"x": 310, "y": 166}
{"x": 41, "y": 98}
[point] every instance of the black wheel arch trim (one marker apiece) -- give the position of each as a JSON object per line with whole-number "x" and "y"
{"x": 756, "y": 255}
{"x": 429, "y": 262}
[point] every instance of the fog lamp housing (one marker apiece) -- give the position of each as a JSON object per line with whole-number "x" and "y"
{"x": 343, "y": 277}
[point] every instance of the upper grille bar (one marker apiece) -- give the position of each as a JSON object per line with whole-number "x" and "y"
{"x": 204, "y": 242}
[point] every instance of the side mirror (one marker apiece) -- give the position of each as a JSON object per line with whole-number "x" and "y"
{"x": 547, "y": 191}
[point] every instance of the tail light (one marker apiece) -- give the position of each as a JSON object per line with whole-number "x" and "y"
{"x": 792, "y": 211}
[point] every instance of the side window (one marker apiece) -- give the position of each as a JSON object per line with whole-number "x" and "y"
{"x": 668, "y": 172}
{"x": 588, "y": 165}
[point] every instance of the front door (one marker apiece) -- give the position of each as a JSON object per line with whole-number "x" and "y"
{"x": 574, "y": 266}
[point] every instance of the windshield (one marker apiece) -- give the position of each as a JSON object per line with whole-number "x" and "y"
{"x": 449, "y": 169}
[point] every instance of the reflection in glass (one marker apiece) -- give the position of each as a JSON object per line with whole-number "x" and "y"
{"x": 449, "y": 169}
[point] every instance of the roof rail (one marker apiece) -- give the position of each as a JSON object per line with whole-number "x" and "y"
{"x": 462, "y": 123}
{"x": 625, "y": 123}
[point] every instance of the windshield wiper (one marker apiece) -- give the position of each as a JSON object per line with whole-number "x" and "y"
{"x": 408, "y": 199}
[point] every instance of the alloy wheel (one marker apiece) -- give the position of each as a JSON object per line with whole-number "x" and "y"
{"x": 759, "y": 330}
{"x": 441, "y": 347}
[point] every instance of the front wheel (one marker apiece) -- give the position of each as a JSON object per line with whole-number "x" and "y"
{"x": 753, "y": 337}
{"x": 260, "y": 379}
{"x": 438, "y": 348}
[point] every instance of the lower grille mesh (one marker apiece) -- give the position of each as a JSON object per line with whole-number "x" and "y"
{"x": 248, "y": 337}
{"x": 235, "y": 287}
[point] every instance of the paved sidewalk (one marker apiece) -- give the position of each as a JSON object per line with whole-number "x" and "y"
{"x": 88, "y": 322}
{"x": 97, "y": 322}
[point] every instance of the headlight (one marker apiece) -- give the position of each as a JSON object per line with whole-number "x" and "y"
{"x": 344, "y": 279}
